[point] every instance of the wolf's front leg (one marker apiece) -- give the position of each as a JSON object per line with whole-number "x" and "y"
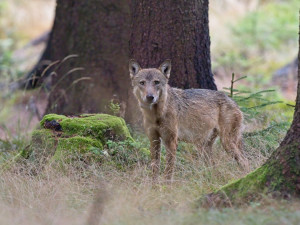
{"x": 171, "y": 147}
{"x": 155, "y": 154}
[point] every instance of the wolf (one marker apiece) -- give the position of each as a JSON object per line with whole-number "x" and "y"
{"x": 196, "y": 116}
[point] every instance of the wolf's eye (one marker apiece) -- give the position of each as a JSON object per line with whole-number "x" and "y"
{"x": 142, "y": 83}
{"x": 156, "y": 82}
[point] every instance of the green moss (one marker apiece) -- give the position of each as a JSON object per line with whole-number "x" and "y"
{"x": 50, "y": 117}
{"x": 99, "y": 126}
{"x": 43, "y": 136}
{"x": 81, "y": 138}
{"x": 77, "y": 147}
{"x": 269, "y": 178}
{"x": 254, "y": 182}
{"x": 146, "y": 152}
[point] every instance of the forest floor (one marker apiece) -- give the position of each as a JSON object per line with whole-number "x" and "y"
{"x": 106, "y": 195}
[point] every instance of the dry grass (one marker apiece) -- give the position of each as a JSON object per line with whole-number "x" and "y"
{"x": 111, "y": 197}
{"x": 104, "y": 194}
{"x": 44, "y": 199}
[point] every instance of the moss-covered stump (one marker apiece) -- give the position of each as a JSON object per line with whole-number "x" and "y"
{"x": 75, "y": 137}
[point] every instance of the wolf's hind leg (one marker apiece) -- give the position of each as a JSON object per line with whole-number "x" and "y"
{"x": 231, "y": 139}
{"x": 232, "y": 149}
{"x": 210, "y": 141}
{"x": 205, "y": 147}
{"x": 230, "y": 144}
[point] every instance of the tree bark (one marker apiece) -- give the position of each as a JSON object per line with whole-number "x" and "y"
{"x": 96, "y": 31}
{"x": 176, "y": 30}
{"x": 106, "y": 34}
{"x": 279, "y": 175}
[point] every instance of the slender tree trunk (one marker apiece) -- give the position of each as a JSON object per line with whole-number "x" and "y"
{"x": 279, "y": 175}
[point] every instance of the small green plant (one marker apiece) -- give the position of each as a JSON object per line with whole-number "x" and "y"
{"x": 253, "y": 105}
{"x": 127, "y": 153}
{"x": 114, "y": 108}
{"x": 249, "y": 102}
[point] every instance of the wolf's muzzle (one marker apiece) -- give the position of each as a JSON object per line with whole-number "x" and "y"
{"x": 149, "y": 98}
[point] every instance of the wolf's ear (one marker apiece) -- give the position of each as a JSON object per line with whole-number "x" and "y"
{"x": 165, "y": 68}
{"x": 134, "y": 68}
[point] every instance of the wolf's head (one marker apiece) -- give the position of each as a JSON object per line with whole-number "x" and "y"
{"x": 149, "y": 85}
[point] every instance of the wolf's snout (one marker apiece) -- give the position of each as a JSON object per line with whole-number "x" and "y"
{"x": 150, "y": 98}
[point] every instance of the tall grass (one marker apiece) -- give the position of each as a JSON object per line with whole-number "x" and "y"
{"x": 105, "y": 195}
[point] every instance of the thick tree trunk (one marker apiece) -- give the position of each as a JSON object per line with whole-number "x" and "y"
{"x": 99, "y": 33}
{"x": 96, "y": 31}
{"x": 279, "y": 175}
{"x": 176, "y": 30}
